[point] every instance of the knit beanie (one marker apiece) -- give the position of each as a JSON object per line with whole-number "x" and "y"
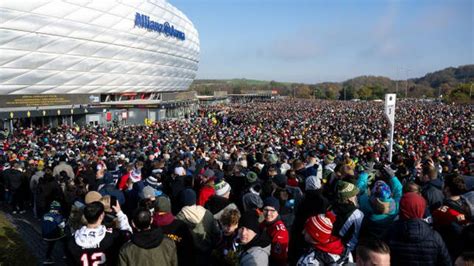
{"x": 319, "y": 227}
{"x": 40, "y": 166}
{"x": 55, "y": 205}
{"x": 381, "y": 198}
{"x": 163, "y": 204}
{"x": 252, "y": 201}
{"x": 152, "y": 181}
{"x": 280, "y": 180}
{"x": 381, "y": 190}
{"x": 251, "y": 177}
{"x": 148, "y": 192}
{"x": 272, "y": 158}
{"x": 188, "y": 197}
{"x": 135, "y": 175}
{"x": 222, "y": 188}
{"x": 249, "y": 220}
{"x": 412, "y": 206}
{"x": 272, "y": 202}
{"x": 346, "y": 190}
{"x": 329, "y": 159}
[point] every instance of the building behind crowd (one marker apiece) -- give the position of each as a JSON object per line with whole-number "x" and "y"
{"x": 95, "y": 62}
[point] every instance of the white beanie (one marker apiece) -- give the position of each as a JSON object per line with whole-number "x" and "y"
{"x": 180, "y": 171}
{"x": 222, "y": 188}
{"x": 284, "y": 167}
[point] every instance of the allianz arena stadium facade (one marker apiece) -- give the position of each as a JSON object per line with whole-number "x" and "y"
{"x": 85, "y": 49}
{"x": 86, "y": 46}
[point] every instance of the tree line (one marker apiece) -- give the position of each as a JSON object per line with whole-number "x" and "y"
{"x": 450, "y": 84}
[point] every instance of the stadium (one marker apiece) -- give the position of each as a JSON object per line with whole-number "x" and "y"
{"x": 95, "y": 61}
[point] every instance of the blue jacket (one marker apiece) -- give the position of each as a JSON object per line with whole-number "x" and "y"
{"x": 364, "y": 199}
{"x": 52, "y": 226}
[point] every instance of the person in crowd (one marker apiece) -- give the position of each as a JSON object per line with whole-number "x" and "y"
{"x": 52, "y": 228}
{"x": 148, "y": 245}
{"x": 94, "y": 243}
{"x": 48, "y": 190}
{"x": 207, "y": 190}
{"x": 275, "y": 228}
{"x": 454, "y": 214}
{"x": 325, "y": 249}
{"x": 14, "y": 180}
{"x": 432, "y": 186}
{"x": 380, "y": 208}
{"x": 412, "y": 240}
{"x": 373, "y": 252}
{"x": 174, "y": 229}
{"x": 313, "y": 203}
{"x": 201, "y": 223}
{"x": 226, "y": 252}
{"x": 63, "y": 166}
{"x": 348, "y": 217}
{"x": 255, "y": 243}
{"x": 220, "y": 202}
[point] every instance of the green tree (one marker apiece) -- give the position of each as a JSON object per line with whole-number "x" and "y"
{"x": 303, "y": 91}
{"x": 378, "y": 92}
{"x": 365, "y": 93}
{"x": 332, "y": 94}
{"x": 461, "y": 94}
{"x": 348, "y": 92}
{"x": 319, "y": 93}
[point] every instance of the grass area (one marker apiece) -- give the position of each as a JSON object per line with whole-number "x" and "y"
{"x": 13, "y": 250}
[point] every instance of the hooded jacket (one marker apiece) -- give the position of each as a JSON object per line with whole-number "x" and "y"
{"x": 99, "y": 244}
{"x": 432, "y": 191}
{"x": 177, "y": 231}
{"x": 413, "y": 242}
{"x": 256, "y": 252}
{"x": 149, "y": 247}
{"x": 203, "y": 227}
{"x": 13, "y": 178}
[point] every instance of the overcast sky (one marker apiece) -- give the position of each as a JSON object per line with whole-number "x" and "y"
{"x": 312, "y": 41}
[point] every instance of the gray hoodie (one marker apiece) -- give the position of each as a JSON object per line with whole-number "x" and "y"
{"x": 255, "y": 256}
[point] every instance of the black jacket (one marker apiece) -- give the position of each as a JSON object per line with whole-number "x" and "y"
{"x": 313, "y": 203}
{"x": 414, "y": 242}
{"x": 433, "y": 193}
{"x": 177, "y": 231}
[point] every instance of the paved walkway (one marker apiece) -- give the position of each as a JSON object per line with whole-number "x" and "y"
{"x": 29, "y": 229}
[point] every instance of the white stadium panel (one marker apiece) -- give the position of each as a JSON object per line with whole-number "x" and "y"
{"x": 100, "y": 46}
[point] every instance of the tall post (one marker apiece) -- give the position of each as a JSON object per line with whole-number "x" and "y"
{"x": 390, "y": 100}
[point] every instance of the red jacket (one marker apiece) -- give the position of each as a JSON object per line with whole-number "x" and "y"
{"x": 122, "y": 183}
{"x": 280, "y": 239}
{"x": 204, "y": 194}
{"x": 446, "y": 215}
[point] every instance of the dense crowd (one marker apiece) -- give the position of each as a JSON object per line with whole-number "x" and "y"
{"x": 266, "y": 183}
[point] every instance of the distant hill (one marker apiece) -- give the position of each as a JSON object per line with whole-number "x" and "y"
{"x": 440, "y": 82}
